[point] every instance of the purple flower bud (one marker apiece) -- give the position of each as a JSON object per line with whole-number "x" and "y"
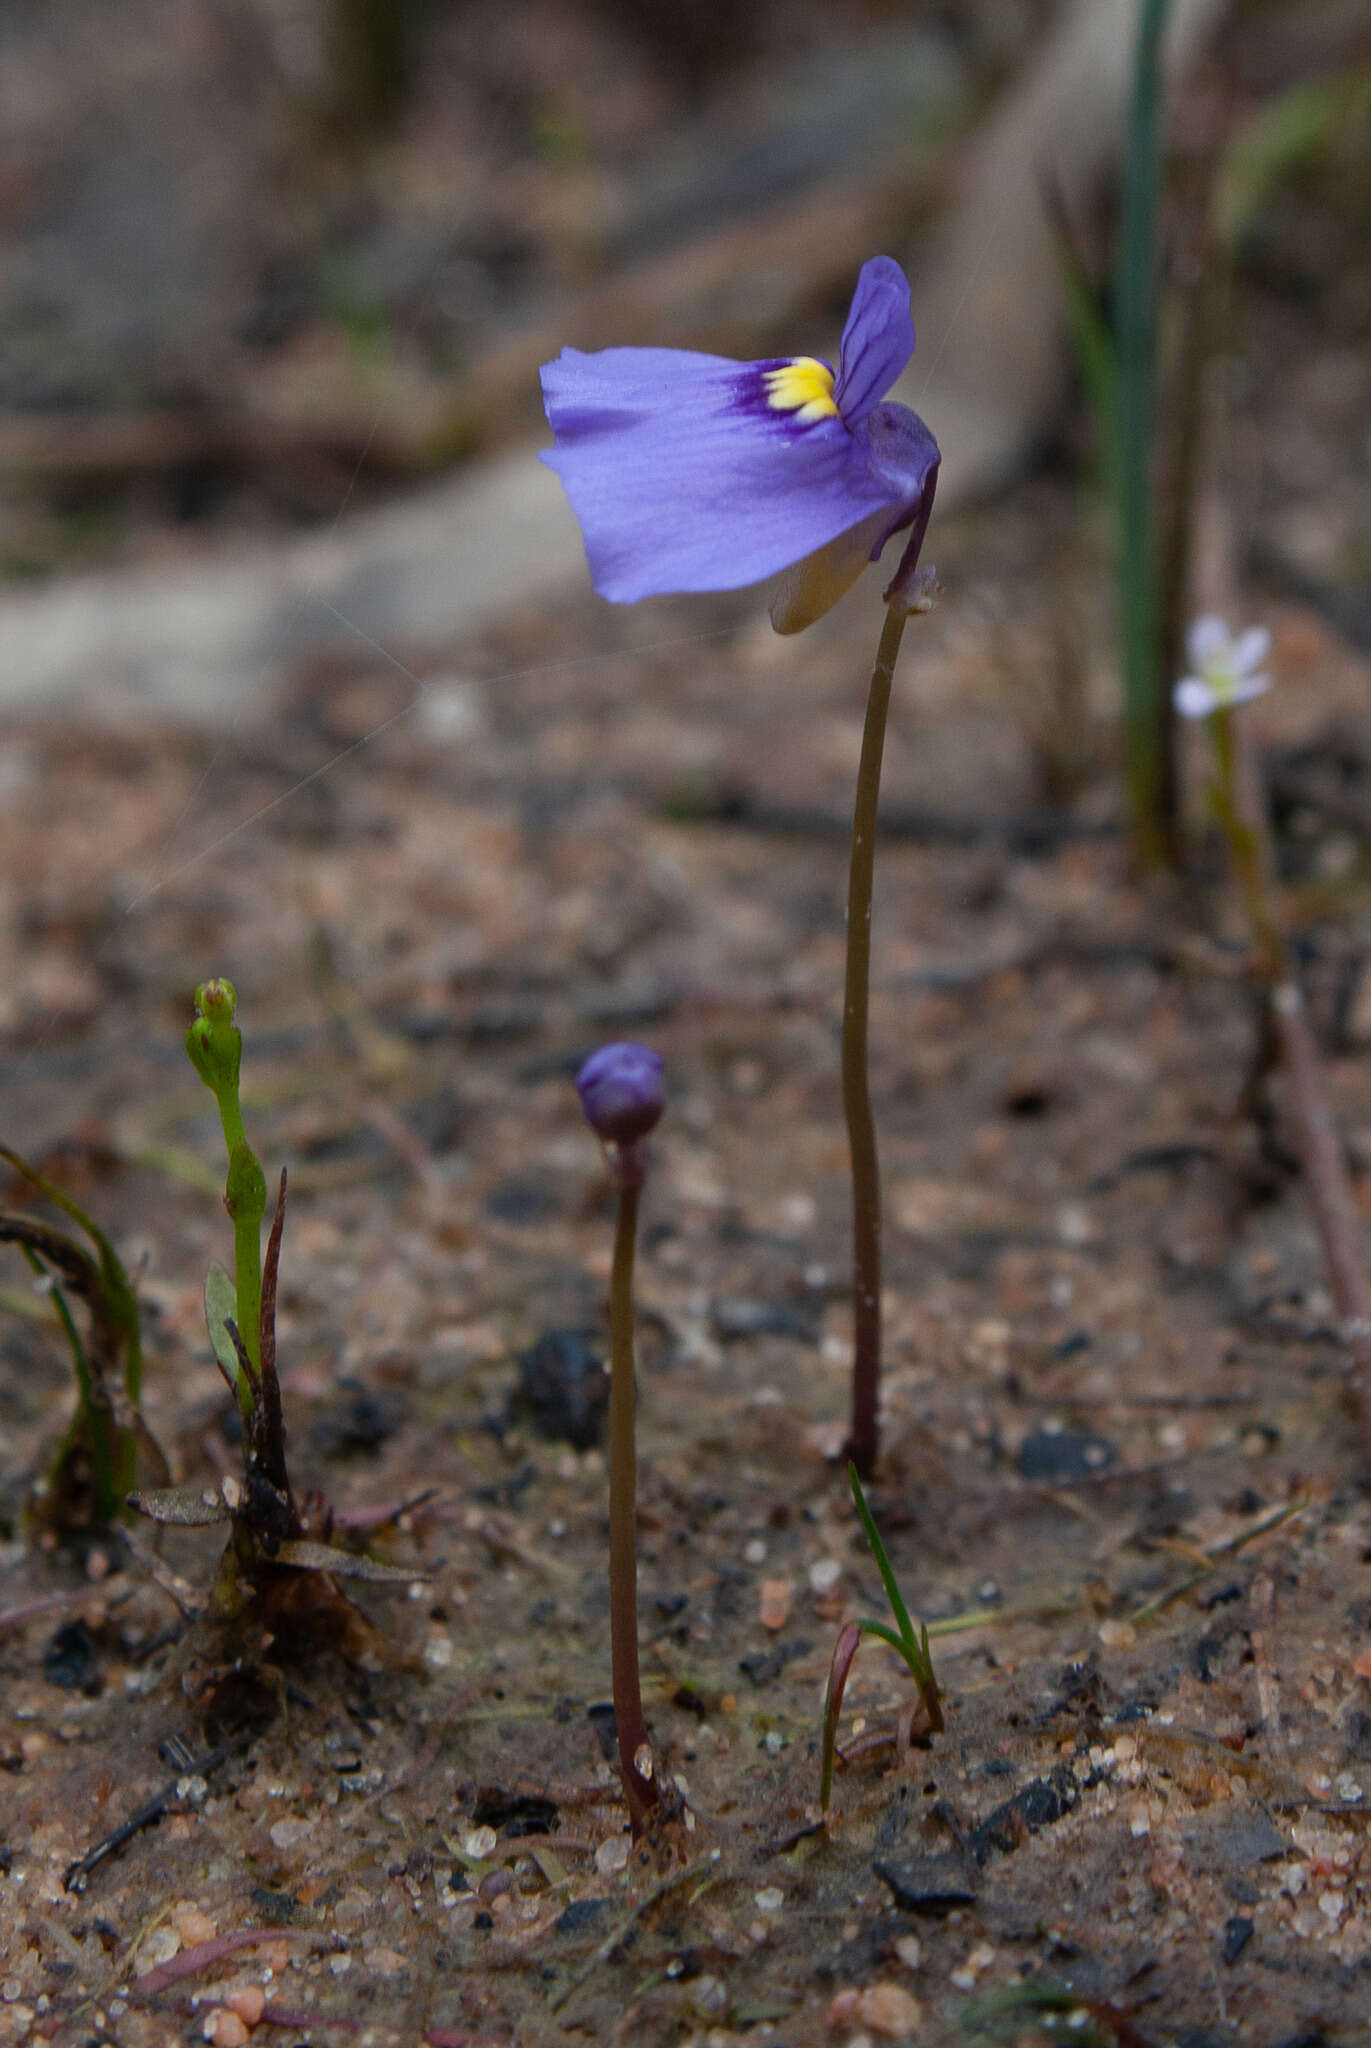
{"x": 621, "y": 1093}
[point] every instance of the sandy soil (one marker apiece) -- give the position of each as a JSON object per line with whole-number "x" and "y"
{"x": 1121, "y": 1475}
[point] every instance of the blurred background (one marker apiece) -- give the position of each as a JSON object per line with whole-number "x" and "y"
{"x": 270, "y": 267}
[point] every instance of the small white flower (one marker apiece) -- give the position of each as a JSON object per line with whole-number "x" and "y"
{"x": 1226, "y": 670}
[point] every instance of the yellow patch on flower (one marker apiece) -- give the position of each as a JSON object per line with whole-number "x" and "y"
{"x": 803, "y": 387}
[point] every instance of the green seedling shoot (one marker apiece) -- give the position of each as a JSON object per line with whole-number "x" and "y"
{"x": 280, "y": 1558}
{"x": 98, "y": 1457}
{"x": 905, "y": 1639}
{"x": 215, "y": 1046}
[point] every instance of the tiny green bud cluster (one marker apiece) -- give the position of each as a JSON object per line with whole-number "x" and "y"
{"x": 214, "y": 1042}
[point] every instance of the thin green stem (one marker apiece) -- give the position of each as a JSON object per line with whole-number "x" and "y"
{"x": 861, "y": 1129}
{"x": 640, "y": 1788}
{"x": 1245, "y": 851}
{"x": 214, "y": 1045}
{"x": 1147, "y": 706}
{"x": 245, "y": 1198}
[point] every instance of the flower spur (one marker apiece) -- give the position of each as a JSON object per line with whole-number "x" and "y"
{"x": 693, "y": 472}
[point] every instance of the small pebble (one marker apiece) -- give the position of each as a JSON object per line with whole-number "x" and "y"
{"x": 774, "y": 1611}
{"x": 889, "y": 2010}
{"x": 1237, "y": 1932}
{"x": 479, "y": 1844}
{"x": 286, "y": 1833}
{"x": 1073, "y": 1224}
{"x": 248, "y": 2001}
{"x": 824, "y": 1574}
{"x": 225, "y": 2029}
{"x": 770, "y": 1899}
{"x": 754, "y": 1552}
{"x": 192, "y": 1923}
{"x": 161, "y": 1945}
{"x": 612, "y": 1856}
{"x": 386, "y": 1962}
{"x": 438, "y": 1652}
{"x": 709, "y": 1995}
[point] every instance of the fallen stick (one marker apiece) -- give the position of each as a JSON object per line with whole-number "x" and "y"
{"x": 1322, "y": 1158}
{"x": 1330, "y": 1188}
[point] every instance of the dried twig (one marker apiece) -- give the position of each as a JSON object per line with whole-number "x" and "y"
{"x": 205, "y": 1954}
{"x": 704, "y": 1867}
{"x": 78, "y": 1874}
{"x": 1209, "y": 1557}
{"x": 1330, "y": 1189}
{"x": 1316, "y": 1133}
{"x": 1320, "y": 1148}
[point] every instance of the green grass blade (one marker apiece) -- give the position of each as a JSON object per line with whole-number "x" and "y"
{"x": 1147, "y": 708}
{"x": 123, "y": 1305}
{"x": 908, "y": 1640}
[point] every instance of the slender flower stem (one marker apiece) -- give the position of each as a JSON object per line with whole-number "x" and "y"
{"x": 861, "y": 1129}
{"x": 1250, "y": 865}
{"x": 640, "y": 1789}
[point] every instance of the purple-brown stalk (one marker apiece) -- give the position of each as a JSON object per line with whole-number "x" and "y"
{"x": 910, "y": 591}
{"x": 621, "y": 1095}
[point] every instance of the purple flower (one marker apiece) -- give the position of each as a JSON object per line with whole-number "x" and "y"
{"x": 621, "y": 1093}
{"x": 691, "y": 472}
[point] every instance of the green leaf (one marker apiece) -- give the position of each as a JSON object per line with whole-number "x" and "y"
{"x": 344, "y": 1564}
{"x": 886, "y": 1633}
{"x": 908, "y": 1642}
{"x": 1288, "y": 131}
{"x": 221, "y": 1308}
